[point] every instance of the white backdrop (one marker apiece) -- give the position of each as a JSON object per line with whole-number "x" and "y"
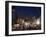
{"x": 2, "y": 18}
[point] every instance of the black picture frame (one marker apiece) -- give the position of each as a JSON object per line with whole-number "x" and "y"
{"x": 7, "y": 17}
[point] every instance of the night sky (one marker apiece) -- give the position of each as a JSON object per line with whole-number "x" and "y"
{"x": 25, "y": 11}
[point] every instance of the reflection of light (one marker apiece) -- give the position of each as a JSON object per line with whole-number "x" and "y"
{"x": 38, "y": 21}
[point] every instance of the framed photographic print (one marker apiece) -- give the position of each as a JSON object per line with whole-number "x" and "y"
{"x": 24, "y": 18}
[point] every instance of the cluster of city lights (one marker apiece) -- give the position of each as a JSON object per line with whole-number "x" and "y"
{"x": 34, "y": 24}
